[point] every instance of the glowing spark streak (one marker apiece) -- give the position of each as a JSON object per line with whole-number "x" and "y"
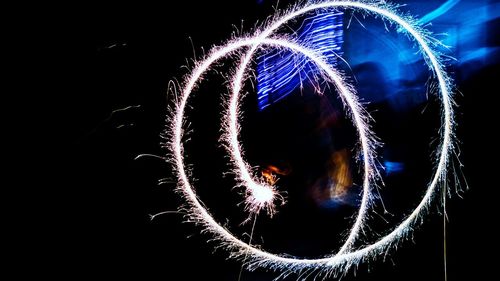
{"x": 445, "y": 95}
{"x": 241, "y": 167}
{"x": 341, "y": 261}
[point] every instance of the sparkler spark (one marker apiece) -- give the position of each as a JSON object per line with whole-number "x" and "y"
{"x": 259, "y": 193}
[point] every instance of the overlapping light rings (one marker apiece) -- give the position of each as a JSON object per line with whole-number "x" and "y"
{"x": 260, "y": 195}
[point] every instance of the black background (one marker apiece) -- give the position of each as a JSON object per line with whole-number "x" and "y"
{"x": 117, "y": 55}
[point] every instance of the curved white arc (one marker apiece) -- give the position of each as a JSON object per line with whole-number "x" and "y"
{"x": 242, "y": 166}
{"x": 445, "y": 95}
{"x": 177, "y": 145}
{"x": 347, "y": 98}
{"x": 263, "y": 258}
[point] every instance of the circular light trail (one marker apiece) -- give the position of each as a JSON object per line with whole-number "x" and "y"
{"x": 261, "y": 195}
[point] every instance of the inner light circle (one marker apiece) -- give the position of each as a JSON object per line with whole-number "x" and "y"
{"x": 346, "y": 257}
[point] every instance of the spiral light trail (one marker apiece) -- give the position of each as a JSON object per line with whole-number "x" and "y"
{"x": 260, "y": 194}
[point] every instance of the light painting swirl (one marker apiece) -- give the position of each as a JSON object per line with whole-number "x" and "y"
{"x": 261, "y": 195}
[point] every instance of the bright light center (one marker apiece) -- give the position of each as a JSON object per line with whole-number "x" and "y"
{"x": 262, "y": 194}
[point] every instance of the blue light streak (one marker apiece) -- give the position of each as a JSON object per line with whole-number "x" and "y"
{"x": 441, "y": 10}
{"x": 279, "y": 73}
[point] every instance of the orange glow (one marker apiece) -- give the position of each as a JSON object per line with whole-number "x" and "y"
{"x": 338, "y": 178}
{"x": 269, "y": 173}
{"x": 340, "y": 173}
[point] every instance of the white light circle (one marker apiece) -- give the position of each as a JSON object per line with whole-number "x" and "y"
{"x": 346, "y": 257}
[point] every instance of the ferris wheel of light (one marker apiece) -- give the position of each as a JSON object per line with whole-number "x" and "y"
{"x": 260, "y": 195}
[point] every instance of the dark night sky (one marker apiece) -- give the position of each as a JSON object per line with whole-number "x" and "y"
{"x": 116, "y": 56}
